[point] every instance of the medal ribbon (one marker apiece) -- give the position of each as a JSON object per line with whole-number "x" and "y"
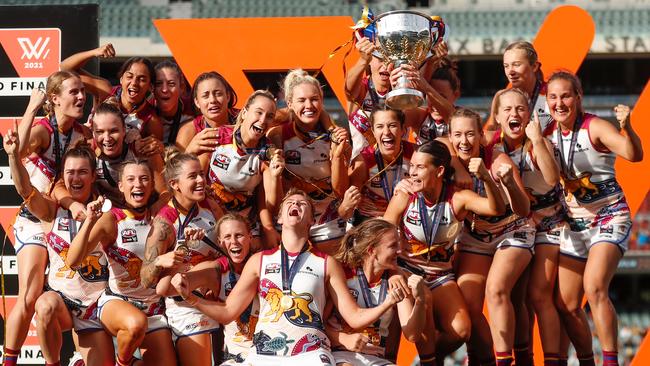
{"x": 567, "y": 167}
{"x": 289, "y": 272}
{"x": 58, "y": 153}
{"x": 107, "y": 173}
{"x": 365, "y": 288}
{"x": 388, "y": 189}
{"x": 430, "y": 232}
{"x": 180, "y": 234}
{"x": 72, "y": 226}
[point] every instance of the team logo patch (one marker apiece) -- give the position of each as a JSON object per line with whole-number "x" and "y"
{"x": 325, "y": 359}
{"x": 375, "y": 182}
{"x": 228, "y": 287}
{"x": 64, "y": 224}
{"x": 272, "y": 268}
{"x": 221, "y": 161}
{"x": 292, "y": 157}
{"x": 298, "y": 314}
{"x": 413, "y": 217}
{"x": 307, "y": 343}
{"x": 521, "y": 235}
{"x": 129, "y": 236}
{"x": 607, "y": 229}
{"x": 354, "y": 293}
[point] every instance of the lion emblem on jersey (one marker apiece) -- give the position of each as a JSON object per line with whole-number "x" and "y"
{"x": 230, "y": 200}
{"x": 579, "y": 187}
{"x": 300, "y": 305}
{"x": 299, "y": 314}
{"x": 90, "y": 269}
{"x": 132, "y": 267}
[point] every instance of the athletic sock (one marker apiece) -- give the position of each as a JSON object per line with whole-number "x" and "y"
{"x": 428, "y": 360}
{"x": 119, "y": 362}
{"x": 522, "y": 355}
{"x": 610, "y": 358}
{"x": 472, "y": 360}
{"x": 10, "y": 357}
{"x": 587, "y": 360}
{"x": 504, "y": 358}
{"x": 551, "y": 359}
{"x": 563, "y": 360}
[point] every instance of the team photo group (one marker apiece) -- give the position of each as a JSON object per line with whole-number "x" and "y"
{"x": 170, "y": 227}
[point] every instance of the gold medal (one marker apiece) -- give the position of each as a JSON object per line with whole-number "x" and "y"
{"x": 182, "y": 248}
{"x": 286, "y": 302}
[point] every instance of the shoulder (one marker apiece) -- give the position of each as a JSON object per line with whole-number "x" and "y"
{"x": 225, "y": 134}
{"x": 167, "y": 214}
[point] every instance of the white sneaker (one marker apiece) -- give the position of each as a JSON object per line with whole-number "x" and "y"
{"x": 76, "y": 360}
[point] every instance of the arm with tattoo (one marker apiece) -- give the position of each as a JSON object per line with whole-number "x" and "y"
{"x": 156, "y": 254}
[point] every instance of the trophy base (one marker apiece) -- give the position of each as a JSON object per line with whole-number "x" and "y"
{"x": 404, "y": 98}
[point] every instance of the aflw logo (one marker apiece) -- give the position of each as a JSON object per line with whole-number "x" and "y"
{"x": 38, "y": 50}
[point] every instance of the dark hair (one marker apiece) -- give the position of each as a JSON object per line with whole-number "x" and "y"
{"x": 251, "y": 98}
{"x": 531, "y": 55}
{"x": 448, "y": 71}
{"x": 354, "y": 245}
{"x": 215, "y": 75}
{"x": 399, "y": 114}
{"x": 466, "y": 113}
{"x": 440, "y": 156}
{"x": 138, "y": 60}
{"x": 576, "y": 85}
{"x": 169, "y": 64}
{"x": 81, "y": 149}
{"x": 109, "y": 107}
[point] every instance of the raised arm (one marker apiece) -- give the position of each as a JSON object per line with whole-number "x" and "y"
{"x": 398, "y": 203}
{"x": 272, "y": 180}
{"x": 339, "y": 293}
{"x": 467, "y": 200}
{"x": 98, "y": 228}
{"x": 36, "y": 202}
{"x": 32, "y": 141}
{"x": 543, "y": 152}
{"x": 354, "y": 89}
{"x": 156, "y": 257}
{"x": 95, "y": 85}
{"x": 340, "y": 155}
{"x": 508, "y": 174}
{"x": 412, "y": 311}
{"x": 624, "y": 143}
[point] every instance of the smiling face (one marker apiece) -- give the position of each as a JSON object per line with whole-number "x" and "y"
{"x": 257, "y": 117}
{"x": 512, "y": 114}
{"x": 423, "y": 174}
{"x": 71, "y": 98}
{"x": 465, "y": 137}
{"x": 380, "y": 74}
{"x": 518, "y": 69}
{"x": 562, "y": 100}
{"x": 296, "y": 210}
{"x": 108, "y": 133}
{"x": 136, "y": 83}
{"x": 212, "y": 99}
{"x": 136, "y": 184}
{"x": 386, "y": 251}
{"x": 387, "y": 130}
{"x": 190, "y": 183}
{"x": 167, "y": 90}
{"x": 307, "y": 103}
{"x": 78, "y": 177}
{"x": 235, "y": 239}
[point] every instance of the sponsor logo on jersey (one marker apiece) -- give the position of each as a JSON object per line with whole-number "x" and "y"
{"x": 129, "y": 236}
{"x": 413, "y": 217}
{"x": 292, "y": 157}
{"x": 221, "y": 161}
{"x": 64, "y": 224}
{"x": 272, "y": 268}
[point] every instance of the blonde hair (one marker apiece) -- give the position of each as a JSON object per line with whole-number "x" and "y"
{"x": 531, "y": 55}
{"x": 249, "y": 101}
{"x": 496, "y": 101}
{"x": 354, "y": 245}
{"x": 297, "y": 77}
{"x": 232, "y": 216}
{"x": 463, "y": 112}
{"x": 53, "y": 87}
{"x": 174, "y": 160}
{"x": 295, "y": 191}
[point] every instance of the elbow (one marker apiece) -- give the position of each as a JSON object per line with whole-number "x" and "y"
{"x": 637, "y": 157}
{"x": 412, "y": 337}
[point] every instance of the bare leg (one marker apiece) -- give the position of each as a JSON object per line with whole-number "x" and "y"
{"x": 158, "y": 349}
{"x": 127, "y": 323}
{"x": 52, "y": 319}
{"x": 195, "y": 350}
{"x": 540, "y": 290}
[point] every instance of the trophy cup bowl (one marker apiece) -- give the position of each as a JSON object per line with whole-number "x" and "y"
{"x": 404, "y": 36}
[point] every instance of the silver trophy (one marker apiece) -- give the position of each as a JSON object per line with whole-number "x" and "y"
{"x": 404, "y": 36}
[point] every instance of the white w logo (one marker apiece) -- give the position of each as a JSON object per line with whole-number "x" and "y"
{"x": 34, "y": 50}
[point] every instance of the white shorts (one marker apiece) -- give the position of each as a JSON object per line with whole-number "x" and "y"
{"x": 360, "y": 359}
{"x": 581, "y": 234}
{"x": 154, "y": 322}
{"x": 548, "y": 237}
{"x": 28, "y": 232}
{"x": 319, "y": 357}
{"x": 521, "y": 235}
{"x": 186, "y": 321}
{"x": 330, "y": 230}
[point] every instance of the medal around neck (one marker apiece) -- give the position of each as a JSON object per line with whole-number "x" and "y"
{"x": 286, "y": 301}
{"x": 107, "y": 205}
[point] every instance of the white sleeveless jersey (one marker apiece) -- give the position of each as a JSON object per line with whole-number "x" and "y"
{"x": 359, "y": 120}
{"x": 546, "y": 208}
{"x": 85, "y": 284}
{"x": 234, "y": 174}
{"x": 197, "y": 251}
{"x": 107, "y": 174}
{"x": 431, "y": 129}
{"x": 238, "y": 335}
{"x": 311, "y": 162}
{"x": 42, "y": 168}
{"x": 125, "y": 258}
{"x": 593, "y": 184}
{"x": 299, "y": 329}
{"x": 373, "y": 199}
{"x": 376, "y": 332}
{"x": 416, "y": 255}
{"x": 541, "y": 106}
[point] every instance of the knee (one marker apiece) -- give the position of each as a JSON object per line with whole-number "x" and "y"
{"x": 569, "y": 308}
{"x": 496, "y": 293}
{"x": 45, "y": 310}
{"x": 540, "y": 295}
{"x": 596, "y": 293}
{"x": 462, "y": 329}
{"x": 136, "y": 325}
